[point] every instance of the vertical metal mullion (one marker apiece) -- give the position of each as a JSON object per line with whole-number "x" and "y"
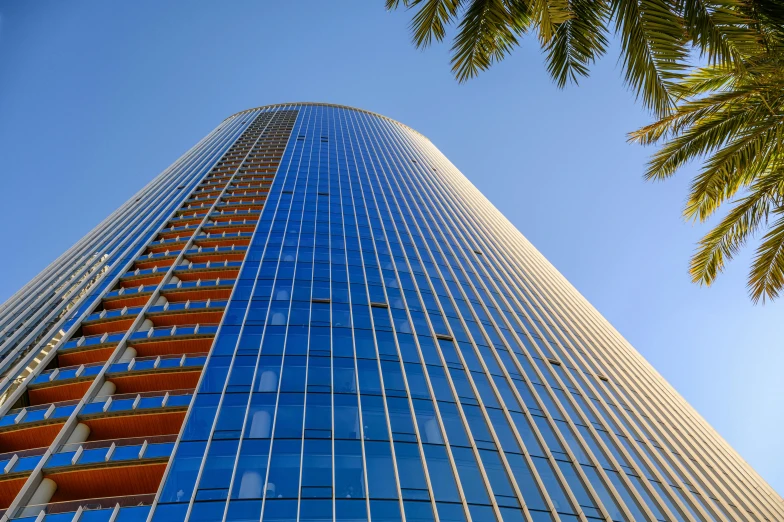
{"x": 301, "y": 120}
{"x": 231, "y": 366}
{"x": 567, "y": 418}
{"x": 342, "y": 118}
{"x": 458, "y": 404}
{"x": 492, "y": 429}
{"x": 253, "y": 382}
{"x": 675, "y": 498}
{"x": 643, "y": 457}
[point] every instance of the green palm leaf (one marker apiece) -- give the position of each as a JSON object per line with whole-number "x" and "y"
{"x": 578, "y": 41}
{"x": 728, "y": 113}
{"x": 767, "y": 270}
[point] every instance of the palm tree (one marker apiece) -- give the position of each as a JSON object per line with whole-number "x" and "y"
{"x": 733, "y": 118}
{"x": 729, "y": 112}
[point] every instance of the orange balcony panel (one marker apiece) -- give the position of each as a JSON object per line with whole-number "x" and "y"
{"x": 110, "y": 481}
{"x": 157, "y": 381}
{"x": 186, "y": 220}
{"x": 134, "y": 281}
{"x": 38, "y": 436}
{"x": 58, "y": 392}
{"x": 109, "y": 326}
{"x": 248, "y": 206}
{"x": 77, "y": 357}
{"x": 172, "y": 347}
{"x": 142, "y": 264}
{"x": 223, "y": 241}
{"x": 8, "y": 490}
{"x": 118, "y": 302}
{"x": 230, "y": 229}
{"x": 257, "y": 194}
{"x": 126, "y": 426}
{"x": 216, "y": 257}
{"x": 170, "y": 234}
{"x": 204, "y": 198}
{"x": 231, "y": 220}
{"x": 182, "y": 318}
{"x": 193, "y": 275}
{"x": 171, "y": 247}
{"x": 197, "y": 294}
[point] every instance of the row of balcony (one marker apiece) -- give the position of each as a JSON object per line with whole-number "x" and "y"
{"x": 117, "y": 435}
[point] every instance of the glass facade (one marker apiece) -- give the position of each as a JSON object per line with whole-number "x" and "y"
{"x": 314, "y": 316}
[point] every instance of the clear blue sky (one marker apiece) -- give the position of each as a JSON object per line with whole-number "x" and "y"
{"x": 96, "y": 98}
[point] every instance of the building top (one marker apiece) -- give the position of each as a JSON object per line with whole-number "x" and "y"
{"x": 338, "y": 106}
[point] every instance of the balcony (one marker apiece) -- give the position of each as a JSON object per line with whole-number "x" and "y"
{"x": 221, "y": 239}
{"x": 127, "y": 296}
{"x": 147, "y": 277}
{"x": 196, "y": 255}
{"x": 213, "y": 254}
{"x": 160, "y": 259}
{"x": 208, "y": 270}
{"x": 162, "y": 245}
{"x": 177, "y": 231}
{"x": 88, "y": 349}
{"x": 187, "y": 219}
{"x": 14, "y": 470}
{"x": 156, "y": 374}
{"x": 231, "y": 225}
{"x": 136, "y": 415}
{"x": 237, "y": 194}
{"x": 187, "y": 313}
{"x": 226, "y": 214}
{"x": 172, "y": 346}
{"x": 110, "y": 321}
{"x": 242, "y": 204}
{"x": 193, "y": 208}
{"x": 62, "y": 384}
{"x": 201, "y": 289}
{"x": 29, "y": 428}
{"x": 126, "y": 471}
{"x": 135, "y": 508}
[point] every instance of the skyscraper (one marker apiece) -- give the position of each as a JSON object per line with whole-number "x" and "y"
{"x": 312, "y": 315}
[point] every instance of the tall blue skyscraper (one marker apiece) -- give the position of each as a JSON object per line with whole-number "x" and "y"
{"x": 312, "y": 315}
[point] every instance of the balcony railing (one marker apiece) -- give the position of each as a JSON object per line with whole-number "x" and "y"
{"x": 108, "y": 503}
{"x": 60, "y": 410}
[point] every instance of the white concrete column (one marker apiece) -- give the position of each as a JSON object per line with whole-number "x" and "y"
{"x": 107, "y": 389}
{"x": 44, "y": 493}
{"x": 127, "y": 355}
{"x": 146, "y": 326}
{"x": 79, "y": 434}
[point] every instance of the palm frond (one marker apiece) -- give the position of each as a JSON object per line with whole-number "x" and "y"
{"x": 547, "y": 15}
{"x": 727, "y": 113}
{"x": 731, "y": 168}
{"x": 653, "y": 48}
{"x": 721, "y": 31}
{"x": 698, "y": 127}
{"x": 725, "y": 240}
{"x": 766, "y": 278}
{"x": 431, "y": 19}
{"x": 488, "y": 31}
{"x": 578, "y": 41}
